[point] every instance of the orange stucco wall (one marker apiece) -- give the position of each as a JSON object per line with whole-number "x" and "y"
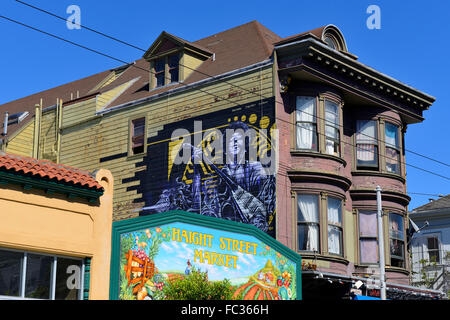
{"x": 35, "y": 221}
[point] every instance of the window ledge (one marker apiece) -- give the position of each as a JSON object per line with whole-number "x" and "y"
{"x": 378, "y": 174}
{"x": 397, "y": 269}
{"x": 295, "y": 152}
{"x": 327, "y": 257}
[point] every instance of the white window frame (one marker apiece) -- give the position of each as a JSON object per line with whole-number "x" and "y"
{"x": 23, "y": 267}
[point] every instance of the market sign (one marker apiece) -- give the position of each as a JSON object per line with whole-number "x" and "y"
{"x": 150, "y": 251}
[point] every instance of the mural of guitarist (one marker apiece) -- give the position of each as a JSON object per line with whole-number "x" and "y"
{"x": 239, "y": 188}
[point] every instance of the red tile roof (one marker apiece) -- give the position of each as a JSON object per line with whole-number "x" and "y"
{"x": 48, "y": 170}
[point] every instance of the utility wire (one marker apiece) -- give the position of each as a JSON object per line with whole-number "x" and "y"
{"x": 223, "y": 99}
{"x": 207, "y": 75}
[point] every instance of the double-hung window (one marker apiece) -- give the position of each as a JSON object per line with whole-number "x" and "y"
{"x": 368, "y": 237}
{"x": 166, "y": 70}
{"x": 366, "y": 144}
{"x": 306, "y": 123}
{"x": 334, "y": 214}
{"x": 308, "y": 222}
{"x": 433, "y": 249}
{"x": 392, "y": 148}
{"x": 332, "y": 125}
{"x": 137, "y": 135}
{"x": 174, "y": 62}
{"x": 397, "y": 240}
{"x": 160, "y": 72}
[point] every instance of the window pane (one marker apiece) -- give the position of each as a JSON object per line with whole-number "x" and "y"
{"x": 308, "y": 237}
{"x": 334, "y": 211}
{"x": 160, "y": 79}
{"x": 368, "y": 226}
{"x": 308, "y": 208}
{"x": 38, "y": 276}
{"x": 396, "y": 226}
{"x": 331, "y": 114}
{"x": 173, "y": 75}
{"x": 10, "y": 271}
{"x": 397, "y": 253}
{"x": 306, "y": 136}
{"x": 173, "y": 61}
{"x": 368, "y": 250}
{"x": 433, "y": 249}
{"x": 366, "y": 132}
{"x": 391, "y": 135}
{"x": 306, "y": 109}
{"x": 68, "y": 279}
{"x": 334, "y": 240}
{"x": 392, "y": 160}
{"x": 160, "y": 65}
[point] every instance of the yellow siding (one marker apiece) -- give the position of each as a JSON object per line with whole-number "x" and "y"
{"x": 190, "y": 63}
{"x": 22, "y": 143}
{"x": 87, "y": 138}
{"x": 105, "y": 98}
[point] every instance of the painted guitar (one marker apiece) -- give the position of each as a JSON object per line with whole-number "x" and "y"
{"x": 248, "y": 206}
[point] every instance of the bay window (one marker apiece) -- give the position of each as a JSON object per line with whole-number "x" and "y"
{"x": 306, "y": 123}
{"x": 368, "y": 237}
{"x": 308, "y": 222}
{"x": 366, "y": 144}
{"x": 332, "y": 128}
{"x": 396, "y": 240}
{"x": 392, "y": 148}
{"x": 334, "y": 215}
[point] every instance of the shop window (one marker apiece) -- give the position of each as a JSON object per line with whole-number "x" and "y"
{"x": 308, "y": 222}
{"x": 392, "y": 148}
{"x": 368, "y": 237}
{"x": 138, "y": 136}
{"x": 306, "y": 123}
{"x": 332, "y": 124}
{"x": 10, "y": 271}
{"x": 397, "y": 240}
{"x": 28, "y": 275}
{"x": 335, "y": 234}
{"x": 366, "y": 145}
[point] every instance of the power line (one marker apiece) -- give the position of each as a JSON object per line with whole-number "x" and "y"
{"x": 224, "y": 99}
{"x": 205, "y": 74}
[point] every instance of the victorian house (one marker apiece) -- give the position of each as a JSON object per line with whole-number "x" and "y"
{"x": 331, "y": 126}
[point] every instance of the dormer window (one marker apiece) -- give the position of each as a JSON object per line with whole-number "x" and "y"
{"x": 166, "y": 70}
{"x": 172, "y": 60}
{"x": 330, "y": 42}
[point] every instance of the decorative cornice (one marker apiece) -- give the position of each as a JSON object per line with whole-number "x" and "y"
{"x": 319, "y": 176}
{"x": 49, "y": 187}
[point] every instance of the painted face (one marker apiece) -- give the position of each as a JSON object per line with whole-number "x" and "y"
{"x": 236, "y": 144}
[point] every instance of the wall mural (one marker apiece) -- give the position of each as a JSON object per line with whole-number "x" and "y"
{"x": 221, "y": 165}
{"x": 152, "y": 257}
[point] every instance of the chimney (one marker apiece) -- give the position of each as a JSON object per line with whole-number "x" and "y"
{"x": 5, "y": 124}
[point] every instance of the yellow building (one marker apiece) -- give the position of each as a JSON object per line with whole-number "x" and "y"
{"x": 55, "y": 234}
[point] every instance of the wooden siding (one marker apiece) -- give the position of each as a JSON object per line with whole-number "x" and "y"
{"x": 87, "y": 138}
{"x": 22, "y": 142}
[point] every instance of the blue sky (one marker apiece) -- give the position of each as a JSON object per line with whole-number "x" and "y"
{"x": 411, "y": 46}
